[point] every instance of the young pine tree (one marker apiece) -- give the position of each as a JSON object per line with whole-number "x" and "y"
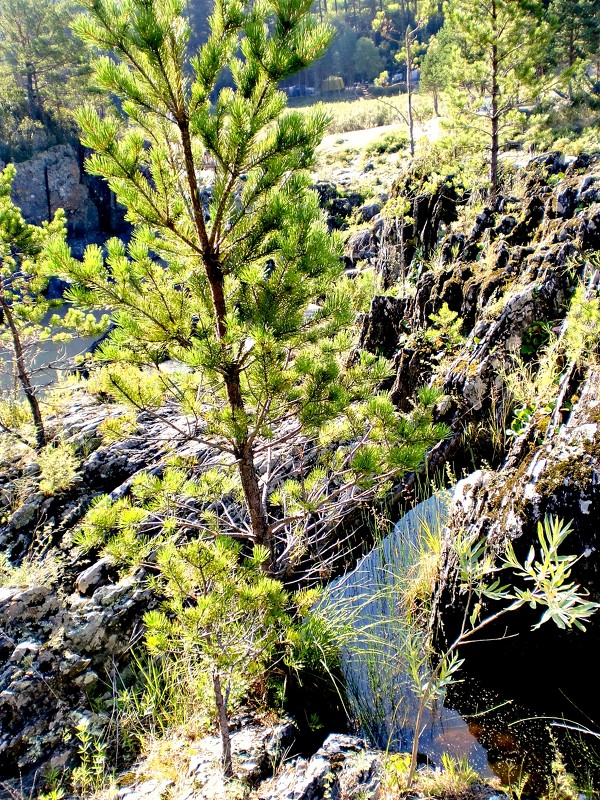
{"x": 502, "y": 44}
{"x": 231, "y": 270}
{"x": 436, "y": 66}
{"x": 577, "y": 31}
{"x": 237, "y": 617}
{"x": 22, "y": 303}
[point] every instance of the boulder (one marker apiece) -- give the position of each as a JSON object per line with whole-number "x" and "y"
{"x": 52, "y": 180}
{"x": 92, "y": 577}
{"x": 344, "y": 768}
{"x": 367, "y": 211}
{"x": 361, "y": 246}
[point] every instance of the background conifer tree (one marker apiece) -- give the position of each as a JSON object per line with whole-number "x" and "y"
{"x": 436, "y": 67}
{"x": 42, "y": 65}
{"x": 231, "y": 270}
{"x": 502, "y": 44}
{"x": 22, "y": 303}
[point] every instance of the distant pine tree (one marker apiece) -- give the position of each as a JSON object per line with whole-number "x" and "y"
{"x": 500, "y": 46}
{"x": 42, "y": 64}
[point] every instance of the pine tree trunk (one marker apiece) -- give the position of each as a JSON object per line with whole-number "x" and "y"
{"x": 32, "y": 105}
{"x": 223, "y": 725}
{"x": 247, "y": 469}
{"x": 495, "y": 122}
{"x": 436, "y": 102}
{"x": 411, "y": 126}
{"x": 23, "y": 375}
{"x": 253, "y": 497}
{"x": 571, "y": 61}
{"x": 216, "y": 280}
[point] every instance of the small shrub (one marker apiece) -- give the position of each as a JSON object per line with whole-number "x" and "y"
{"x": 447, "y": 328}
{"x": 391, "y": 142}
{"x": 92, "y": 775}
{"x": 58, "y": 464}
{"x": 535, "y": 337}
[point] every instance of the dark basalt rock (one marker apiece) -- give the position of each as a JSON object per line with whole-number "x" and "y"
{"x": 393, "y": 241}
{"x": 382, "y": 325}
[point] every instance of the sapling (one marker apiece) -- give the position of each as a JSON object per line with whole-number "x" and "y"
{"x": 223, "y": 612}
{"x": 547, "y": 583}
{"x": 22, "y": 302}
{"x": 232, "y": 274}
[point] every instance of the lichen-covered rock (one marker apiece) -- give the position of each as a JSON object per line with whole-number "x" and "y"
{"x": 344, "y": 768}
{"x": 54, "y": 654}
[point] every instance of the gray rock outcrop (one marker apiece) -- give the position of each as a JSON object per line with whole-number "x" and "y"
{"x": 55, "y": 651}
{"x": 342, "y": 769}
{"x": 52, "y": 180}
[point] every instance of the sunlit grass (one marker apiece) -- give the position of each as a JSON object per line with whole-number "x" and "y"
{"x": 372, "y": 112}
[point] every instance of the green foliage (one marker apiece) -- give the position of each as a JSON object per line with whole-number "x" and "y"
{"x": 128, "y": 529}
{"x": 367, "y": 61}
{"x": 32, "y": 571}
{"x": 534, "y": 338}
{"x": 223, "y": 614}
{"x": 314, "y": 642}
{"x": 496, "y": 51}
{"x": 58, "y": 465}
{"x": 533, "y": 381}
{"x": 457, "y": 152}
{"x": 249, "y": 298}
{"x": 436, "y": 67}
{"x": 391, "y": 142}
{"x": 15, "y": 414}
{"x": 581, "y": 334}
{"x": 223, "y": 609}
{"x": 545, "y": 578}
{"x": 522, "y": 418}
{"x": 43, "y": 67}
{"x": 85, "y": 324}
{"x": 548, "y": 575}
{"x": 453, "y": 778}
{"x": 577, "y": 33}
{"x": 114, "y": 429}
{"x": 22, "y": 282}
{"x": 162, "y": 694}
{"x": 92, "y": 774}
{"x": 447, "y": 328}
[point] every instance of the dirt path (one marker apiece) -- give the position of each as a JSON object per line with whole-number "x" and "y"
{"x": 357, "y": 140}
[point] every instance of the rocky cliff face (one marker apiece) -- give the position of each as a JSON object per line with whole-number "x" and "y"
{"x": 55, "y": 179}
{"x": 512, "y": 282}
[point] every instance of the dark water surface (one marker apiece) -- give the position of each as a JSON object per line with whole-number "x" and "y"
{"x": 507, "y": 716}
{"x": 47, "y": 359}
